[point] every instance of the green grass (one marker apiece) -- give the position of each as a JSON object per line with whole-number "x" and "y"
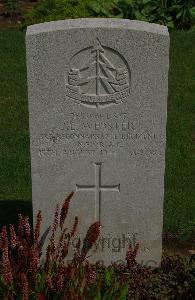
{"x": 179, "y": 190}
{"x": 15, "y": 183}
{"x": 15, "y": 180}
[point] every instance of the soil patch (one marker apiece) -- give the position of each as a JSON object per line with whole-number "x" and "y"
{"x": 10, "y": 20}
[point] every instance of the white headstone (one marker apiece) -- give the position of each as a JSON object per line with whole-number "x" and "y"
{"x": 97, "y": 92}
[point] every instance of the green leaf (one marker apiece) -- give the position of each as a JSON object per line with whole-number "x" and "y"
{"x": 105, "y": 12}
{"x": 108, "y": 277}
{"x": 119, "y": 16}
{"x": 139, "y": 16}
{"x": 98, "y": 297}
{"x": 96, "y": 7}
{"x": 124, "y": 293}
{"x": 170, "y": 24}
{"x": 146, "y": 1}
{"x": 128, "y": 2}
{"x": 179, "y": 14}
{"x": 174, "y": 7}
{"x": 192, "y": 10}
{"x": 150, "y": 7}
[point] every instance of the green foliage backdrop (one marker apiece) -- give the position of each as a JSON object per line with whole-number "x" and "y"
{"x": 173, "y": 13}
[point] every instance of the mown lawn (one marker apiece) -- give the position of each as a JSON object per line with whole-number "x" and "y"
{"x": 15, "y": 183}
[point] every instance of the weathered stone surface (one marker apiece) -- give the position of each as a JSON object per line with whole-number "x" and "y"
{"x": 97, "y": 102}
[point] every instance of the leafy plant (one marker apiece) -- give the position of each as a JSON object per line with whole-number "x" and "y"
{"x": 104, "y": 8}
{"x": 51, "y": 10}
{"x": 183, "y": 13}
{"x": 155, "y": 12}
{"x": 172, "y": 13}
{"x": 174, "y": 280}
{"x": 23, "y": 276}
{"x": 11, "y": 7}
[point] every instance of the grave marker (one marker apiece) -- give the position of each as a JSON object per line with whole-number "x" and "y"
{"x": 97, "y": 92}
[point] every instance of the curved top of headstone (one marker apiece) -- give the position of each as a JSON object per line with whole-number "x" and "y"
{"x": 97, "y": 23}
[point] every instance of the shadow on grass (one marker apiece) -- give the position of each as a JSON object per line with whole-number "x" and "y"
{"x": 9, "y": 211}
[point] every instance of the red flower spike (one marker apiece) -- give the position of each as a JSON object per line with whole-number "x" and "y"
{"x": 7, "y": 271}
{"x": 131, "y": 255}
{"x": 34, "y": 261}
{"x": 55, "y": 222}
{"x": 4, "y": 239}
{"x": 65, "y": 208}
{"x": 13, "y": 237}
{"x": 27, "y": 228}
{"x": 78, "y": 244}
{"x": 90, "y": 239}
{"x": 59, "y": 278}
{"x": 37, "y": 228}
{"x": 47, "y": 259}
{"x": 60, "y": 244}
{"x": 53, "y": 247}
{"x": 49, "y": 283}
{"x": 24, "y": 287}
{"x": 90, "y": 273}
{"x": 6, "y": 266}
{"x": 41, "y": 297}
{"x": 64, "y": 251}
{"x": 20, "y": 227}
{"x": 76, "y": 221}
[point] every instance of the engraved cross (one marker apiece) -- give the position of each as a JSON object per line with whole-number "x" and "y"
{"x": 98, "y": 188}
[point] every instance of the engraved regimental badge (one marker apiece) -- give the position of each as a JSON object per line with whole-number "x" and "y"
{"x": 98, "y": 76}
